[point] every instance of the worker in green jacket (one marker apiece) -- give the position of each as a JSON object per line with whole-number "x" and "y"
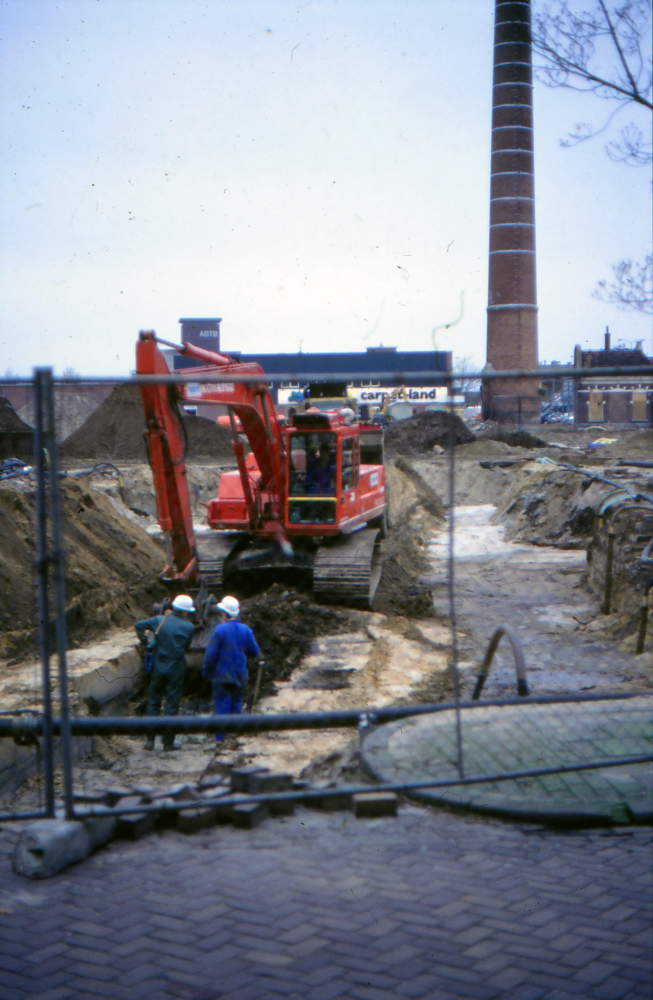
{"x": 172, "y": 637}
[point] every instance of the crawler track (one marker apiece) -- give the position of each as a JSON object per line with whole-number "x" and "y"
{"x": 348, "y": 570}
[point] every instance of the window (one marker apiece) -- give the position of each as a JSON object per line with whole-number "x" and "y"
{"x": 596, "y": 405}
{"x": 312, "y": 465}
{"x": 639, "y": 406}
{"x": 348, "y": 477}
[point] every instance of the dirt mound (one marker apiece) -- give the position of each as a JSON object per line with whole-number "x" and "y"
{"x": 285, "y": 623}
{"x": 486, "y": 449}
{"x": 16, "y": 437}
{"x": 111, "y": 567}
{"x": 71, "y": 409}
{"x": 9, "y": 419}
{"x": 420, "y": 433}
{"x": 518, "y": 439}
{"x": 115, "y": 430}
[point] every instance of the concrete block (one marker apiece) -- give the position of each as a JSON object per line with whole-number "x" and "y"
{"x": 330, "y": 803}
{"x": 192, "y": 820}
{"x": 212, "y": 781}
{"x": 133, "y": 826}
{"x": 286, "y": 808}
{"x": 259, "y": 784}
{"x": 368, "y": 805}
{"x": 50, "y": 845}
{"x": 101, "y": 829}
{"x": 113, "y": 795}
{"x": 167, "y": 818}
{"x": 241, "y": 776}
{"x": 105, "y": 670}
{"x": 249, "y": 814}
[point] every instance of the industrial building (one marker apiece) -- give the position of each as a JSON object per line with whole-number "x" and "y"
{"x": 370, "y": 374}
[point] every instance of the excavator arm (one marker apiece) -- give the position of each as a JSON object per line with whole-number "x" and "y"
{"x": 250, "y": 401}
{"x": 165, "y": 439}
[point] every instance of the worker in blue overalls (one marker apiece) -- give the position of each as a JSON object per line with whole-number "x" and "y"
{"x": 225, "y": 660}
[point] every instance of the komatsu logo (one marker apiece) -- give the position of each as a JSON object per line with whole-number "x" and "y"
{"x": 195, "y": 391}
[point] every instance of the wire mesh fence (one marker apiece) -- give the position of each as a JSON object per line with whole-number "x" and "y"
{"x": 568, "y": 751}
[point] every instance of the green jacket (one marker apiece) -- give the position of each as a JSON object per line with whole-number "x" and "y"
{"x": 172, "y": 641}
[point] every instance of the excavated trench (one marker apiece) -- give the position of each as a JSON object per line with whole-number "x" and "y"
{"x": 522, "y": 535}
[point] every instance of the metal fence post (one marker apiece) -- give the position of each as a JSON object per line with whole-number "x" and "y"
{"x": 452, "y": 602}
{"x": 42, "y": 570}
{"x": 59, "y": 593}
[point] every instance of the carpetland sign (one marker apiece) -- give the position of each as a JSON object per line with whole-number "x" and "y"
{"x": 425, "y": 394}
{"x": 375, "y": 394}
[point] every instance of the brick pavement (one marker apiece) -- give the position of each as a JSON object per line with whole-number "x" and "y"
{"x": 322, "y": 906}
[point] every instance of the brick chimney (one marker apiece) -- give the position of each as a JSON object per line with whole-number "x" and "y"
{"x": 512, "y": 299}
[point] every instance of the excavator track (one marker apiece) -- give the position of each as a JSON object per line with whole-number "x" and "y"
{"x": 347, "y": 571}
{"x": 213, "y": 550}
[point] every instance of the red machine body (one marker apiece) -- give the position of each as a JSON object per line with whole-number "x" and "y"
{"x": 302, "y": 487}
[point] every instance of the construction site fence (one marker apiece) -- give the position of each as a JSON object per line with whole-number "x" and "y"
{"x": 28, "y": 727}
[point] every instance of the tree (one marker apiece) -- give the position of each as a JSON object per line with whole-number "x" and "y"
{"x": 605, "y": 51}
{"x": 632, "y": 287}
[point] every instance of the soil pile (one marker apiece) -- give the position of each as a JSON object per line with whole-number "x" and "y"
{"x": 518, "y": 439}
{"x": 71, "y": 410}
{"x": 111, "y": 567}
{"x": 285, "y": 623}
{"x": 419, "y": 434}
{"x": 115, "y": 431}
{"x": 16, "y": 437}
{"x": 9, "y": 419}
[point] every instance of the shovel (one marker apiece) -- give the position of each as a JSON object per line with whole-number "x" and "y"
{"x": 254, "y": 694}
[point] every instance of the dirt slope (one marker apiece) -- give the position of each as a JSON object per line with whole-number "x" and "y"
{"x": 111, "y": 567}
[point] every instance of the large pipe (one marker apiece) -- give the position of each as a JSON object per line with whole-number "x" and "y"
{"x": 512, "y": 299}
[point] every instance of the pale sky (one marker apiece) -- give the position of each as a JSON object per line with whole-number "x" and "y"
{"x": 313, "y": 173}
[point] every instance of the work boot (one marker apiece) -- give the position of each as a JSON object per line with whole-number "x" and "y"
{"x": 169, "y": 746}
{"x": 149, "y": 744}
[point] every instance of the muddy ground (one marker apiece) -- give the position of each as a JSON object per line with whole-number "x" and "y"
{"x": 525, "y": 525}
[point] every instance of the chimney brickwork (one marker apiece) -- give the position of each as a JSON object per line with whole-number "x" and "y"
{"x": 512, "y": 293}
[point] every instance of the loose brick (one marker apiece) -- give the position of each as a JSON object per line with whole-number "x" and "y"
{"x": 249, "y": 814}
{"x": 368, "y": 805}
{"x": 133, "y": 826}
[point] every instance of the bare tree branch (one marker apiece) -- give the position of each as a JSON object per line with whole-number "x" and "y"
{"x": 632, "y": 288}
{"x": 607, "y": 49}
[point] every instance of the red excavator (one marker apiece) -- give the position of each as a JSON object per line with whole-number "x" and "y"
{"x": 301, "y": 498}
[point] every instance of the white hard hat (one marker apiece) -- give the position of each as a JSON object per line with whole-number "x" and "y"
{"x": 230, "y": 606}
{"x": 183, "y": 603}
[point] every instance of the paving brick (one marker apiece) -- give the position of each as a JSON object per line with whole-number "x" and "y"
{"x": 614, "y": 989}
{"x": 595, "y": 972}
{"x": 10, "y": 964}
{"x": 472, "y": 990}
{"x": 371, "y": 993}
